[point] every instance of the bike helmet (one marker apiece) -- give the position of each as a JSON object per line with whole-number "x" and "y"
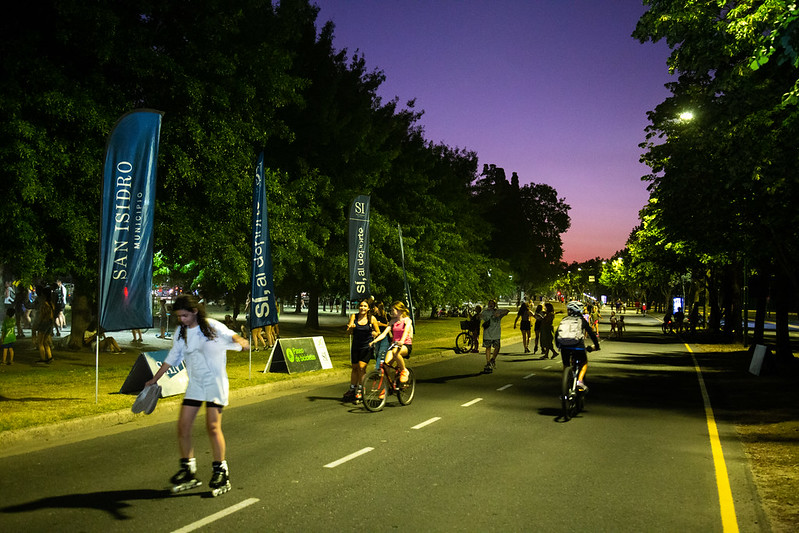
{"x": 575, "y": 308}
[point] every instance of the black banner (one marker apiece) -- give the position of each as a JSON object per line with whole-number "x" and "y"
{"x": 359, "y": 248}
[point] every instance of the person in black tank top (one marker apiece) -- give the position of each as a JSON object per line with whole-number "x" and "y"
{"x": 363, "y": 328}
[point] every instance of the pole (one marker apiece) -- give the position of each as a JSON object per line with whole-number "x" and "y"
{"x": 405, "y": 278}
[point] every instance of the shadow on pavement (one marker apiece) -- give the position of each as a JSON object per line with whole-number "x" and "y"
{"x": 112, "y": 502}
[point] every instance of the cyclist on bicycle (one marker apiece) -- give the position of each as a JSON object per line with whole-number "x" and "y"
{"x": 570, "y": 339}
{"x": 401, "y": 328}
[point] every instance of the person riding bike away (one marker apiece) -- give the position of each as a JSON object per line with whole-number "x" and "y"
{"x": 401, "y": 329}
{"x": 570, "y": 339}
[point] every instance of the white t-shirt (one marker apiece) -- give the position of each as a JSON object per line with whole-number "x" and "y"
{"x": 206, "y": 361}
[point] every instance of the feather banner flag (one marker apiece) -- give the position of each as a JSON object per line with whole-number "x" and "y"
{"x": 263, "y": 311}
{"x": 126, "y": 227}
{"x": 359, "y": 248}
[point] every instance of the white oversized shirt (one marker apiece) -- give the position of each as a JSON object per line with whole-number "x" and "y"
{"x": 206, "y": 361}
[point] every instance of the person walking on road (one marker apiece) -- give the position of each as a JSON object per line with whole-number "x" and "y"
{"x": 539, "y": 319}
{"x": 525, "y": 316}
{"x": 548, "y": 331}
{"x": 203, "y": 344}
{"x": 492, "y": 332}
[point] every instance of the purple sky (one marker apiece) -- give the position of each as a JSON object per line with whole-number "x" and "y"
{"x": 555, "y": 90}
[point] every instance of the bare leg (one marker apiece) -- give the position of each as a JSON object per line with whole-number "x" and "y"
{"x": 361, "y": 372}
{"x": 213, "y": 423}
{"x": 185, "y": 422}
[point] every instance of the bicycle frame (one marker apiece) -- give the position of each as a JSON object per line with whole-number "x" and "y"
{"x": 379, "y": 384}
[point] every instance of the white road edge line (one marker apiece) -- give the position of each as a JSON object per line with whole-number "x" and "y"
{"x": 528, "y": 376}
{"x": 216, "y": 516}
{"x": 469, "y": 404}
{"x": 427, "y": 422}
{"x": 503, "y": 387}
{"x": 350, "y": 457}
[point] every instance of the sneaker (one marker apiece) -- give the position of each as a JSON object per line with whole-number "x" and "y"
{"x": 493, "y": 363}
{"x": 404, "y": 375}
{"x": 358, "y": 396}
{"x": 488, "y": 368}
{"x": 582, "y": 386}
{"x": 348, "y": 396}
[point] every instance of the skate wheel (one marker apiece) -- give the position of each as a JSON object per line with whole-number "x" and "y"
{"x": 221, "y": 490}
{"x": 186, "y": 486}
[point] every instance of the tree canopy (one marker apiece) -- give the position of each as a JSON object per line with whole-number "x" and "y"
{"x": 723, "y": 184}
{"x": 235, "y": 79}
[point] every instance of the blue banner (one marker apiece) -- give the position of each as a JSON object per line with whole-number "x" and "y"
{"x": 263, "y": 311}
{"x": 359, "y": 248}
{"x": 126, "y": 232}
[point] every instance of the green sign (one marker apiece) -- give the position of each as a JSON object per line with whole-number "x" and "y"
{"x": 303, "y": 354}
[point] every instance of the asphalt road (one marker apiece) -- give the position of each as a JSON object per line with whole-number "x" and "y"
{"x": 473, "y": 452}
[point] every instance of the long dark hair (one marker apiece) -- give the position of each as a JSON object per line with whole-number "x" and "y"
{"x": 188, "y": 302}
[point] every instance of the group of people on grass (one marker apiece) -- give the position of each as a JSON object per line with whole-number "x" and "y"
{"x": 41, "y": 309}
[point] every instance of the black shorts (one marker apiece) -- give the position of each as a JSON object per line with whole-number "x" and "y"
{"x": 361, "y": 355}
{"x": 579, "y": 354}
{"x": 198, "y": 403}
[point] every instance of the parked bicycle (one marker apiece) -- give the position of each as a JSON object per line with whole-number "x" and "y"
{"x": 384, "y": 381}
{"x": 465, "y": 341}
{"x": 573, "y": 396}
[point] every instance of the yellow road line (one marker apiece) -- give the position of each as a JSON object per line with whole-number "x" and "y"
{"x": 729, "y": 523}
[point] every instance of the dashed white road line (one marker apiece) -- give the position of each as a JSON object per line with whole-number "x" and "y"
{"x": 528, "y": 376}
{"x": 216, "y": 516}
{"x": 471, "y": 403}
{"x": 427, "y": 422}
{"x": 350, "y": 457}
{"x": 509, "y": 385}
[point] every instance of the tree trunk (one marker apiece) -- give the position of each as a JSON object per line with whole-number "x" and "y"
{"x": 782, "y": 299}
{"x": 82, "y": 313}
{"x": 713, "y": 296}
{"x": 298, "y": 304}
{"x": 760, "y": 289}
{"x": 313, "y": 309}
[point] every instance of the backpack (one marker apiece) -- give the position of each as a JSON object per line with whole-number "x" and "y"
{"x": 570, "y": 331}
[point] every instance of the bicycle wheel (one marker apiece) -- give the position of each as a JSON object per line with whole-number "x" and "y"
{"x": 406, "y": 391}
{"x": 374, "y": 391}
{"x": 568, "y": 396}
{"x": 463, "y": 343}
